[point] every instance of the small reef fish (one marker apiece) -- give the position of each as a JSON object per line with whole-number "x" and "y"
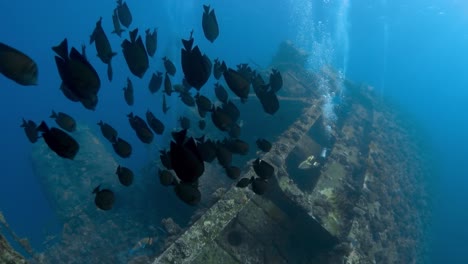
{"x": 308, "y": 163}
{"x": 143, "y": 243}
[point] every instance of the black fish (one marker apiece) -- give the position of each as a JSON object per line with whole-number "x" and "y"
{"x": 203, "y": 103}
{"x": 217, "y": 69}
{"x": 263, "y": 144}
{"x": 180, "y": 88}
{"x": 165, "y": 159}
{"x": 237, "y": 83}
{"x": 121, "y": 147}
{"x": 17, "y": 66}
{"x": 276, "y": 81}
{"x": 224, "y": 155}
{"x": 237, "y": 146}
{"x": 78, "y": 75}
{"x": 187, "y": 99}
{"x": 167, "y": 85}
{"x": 221, "y": 119}
{"x": 104, "y": 199}
{"x": 246, "y": 72}
{"x": 30, "y": 128}
{"x": 259, "y": 186}
{"x": 231, "y": 109}
{"x": 128, "y": 93}
{"x": 244, "y": 182}
{"x": 115, "y": 21}
{"x": 233, "y": 172}
{"x": 207, "y": 149}
{"x": 135, "y": 54}
{"x": 263, "y": 169}
{"x": 64, "y": 121}
{"x": 125, "y": 175}
{"x": 268, "y": 100}
{"x": 59, "y": 141}
{"x": 155, "y": 82}
{"x": 154, "y": 123}
{"x": 103, "y": 47}
{"x": 235, "y": 131}
{"x": 151, "y": 42}
{"x": 196, "y": 67}
{"x": 165, "y": 108}
{"x": 124, "y": 14}
{"x": 184, "y": 122}
{"x": 169, "y": 66}
{"x": 202, "y": 124}
{"x": 166, "y": 178}
{"x": 107, "y": 131}
{"x": 141, "y": 128}
{"x": 210, "y": 24}
{"x": 186, "y": 160}
{"x": 188, "y": 193}
{"x": 221, "y": 93}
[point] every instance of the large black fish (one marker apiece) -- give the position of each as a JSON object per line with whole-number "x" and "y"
{"x": 78, "y": 75}
{"x": 103, "y": 47}
{"x": 107, "y": 131}
{"x": 17, "y": 66}
{"x": 224, "y": 155}
{"x": 59, "y": 141}
{"x": 231, "y": 109}
{"x": 68, "y": 93}
{"x": 268, "y": 100}
{"x": 187, "y": 99}
{"x": 128, "y": 93}
{"x": 142, "y": 130}
{"x": 237, "y": 83}
{"x": 169, "y": 66}
{"x": 64, "y": 121}
{"x": 184, "y": 122}
{"x": 203, "y": 104}
{"x": 186, "y": 160}
{"x": 151, "y": 42}
{"x": 104, "y": 199}
{"x": 166, "y": 178}
{"x": 196, "y": 67}
{"x": 263, "y": 144}
{"x": 207, "y": 149}
{"x": 263, "y": 169}
{"x": 246, "y": 72}
{"x": 135, "y": 54}
{"x": 30, "y": 128}
{"x": 221, "y": 119}
{"x": 259, "y": 186}
{"x": 154, "y": 123}
{"x": 210, "y": 24}
{"x": 124, "y": 14}
{"x": 155, "y": 82}
{"x": 121, "y": 147}
{"x": 233, "y": 172}
{"x": 115, "y": 21}
{"x": 237, "y": 146}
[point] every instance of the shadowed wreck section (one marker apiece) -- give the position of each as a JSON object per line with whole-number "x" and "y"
{"x": 337, "y": 196}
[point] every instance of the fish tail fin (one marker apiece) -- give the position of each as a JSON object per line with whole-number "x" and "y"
{"x": 62, "y": 49}
{"x": 133, "y": 35}
{"x": 109, "y": 70}
{"x": 53, "y": 115}
{"x": 24, "y": 123}
{"x": 206, "y": 8}
{"x": 96, "y": 190}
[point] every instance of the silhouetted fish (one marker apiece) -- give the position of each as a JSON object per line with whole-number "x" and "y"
{"x": 59, "y": 141}
{"x": 121, "y": 147}
{"x": 210, "y": 24}
{"x": 141, "y": 128}
{"x": 244, "y": 182}
{"x": 128, "y": 93}
{"x": 103, "y": 47}
{"x": 125, "y": 175}
{"x": 224, "y": 155}
{"x": 196, "y": 67}
{"x": 233, "y": 172}
{"x": 123, "y": 11}
{"x": 135, "y": 54}
{"x": 187, "y": 99}
{"x": 165, "y": 108}
{"x": 237, "y": 146}
{"x": 167, "y": 85}
{"x": 221, "y": 93}
{"x": 154, "y": 123}
{"x": 30, "y": 128}
{"x": 184, "y": 122}
{"x": 115, "y": 21}
{"x": 155, "y": 82}
{"x": 166, "y": 178}
{"x": 104, "y": 199}
{"x": 151, "y": 42}
{"x": 217, "y": 69}
{"x": 263, "y": 144}
{"x": 263, "y": 169}
{"x": 17, "y": 66}
{"x": 237, "y": 83}
{"x": 188, "y": 193}
{"x": 186, "y": 160}
{"x": 259, "y": 186}
{"x": 107, "y": 131}
{"x": 276, "y": 81}
{"x": 169, "y": 66}
{"x": 64, "y": 121}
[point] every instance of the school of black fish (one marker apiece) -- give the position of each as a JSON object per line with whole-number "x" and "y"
{"x": 183, "y": 163}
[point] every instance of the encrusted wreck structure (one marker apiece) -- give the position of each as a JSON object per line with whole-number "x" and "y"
{"x": 344, "y": 189}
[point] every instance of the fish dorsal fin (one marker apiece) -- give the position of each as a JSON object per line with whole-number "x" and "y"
{"x": 179, "y": 137}
{"x": 97, "y": 189}
{"x": 133, "y": 35}
{"x": 43, "y": 127}
{"x": 62, "y": 49}
{"x": 192, "y": 146}
{"x": 206, "y": 8}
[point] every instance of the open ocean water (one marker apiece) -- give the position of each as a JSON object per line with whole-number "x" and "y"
{"x": 413, "y": 53}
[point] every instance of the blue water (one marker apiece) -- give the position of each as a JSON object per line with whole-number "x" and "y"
{"x": 413, "y": 53}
